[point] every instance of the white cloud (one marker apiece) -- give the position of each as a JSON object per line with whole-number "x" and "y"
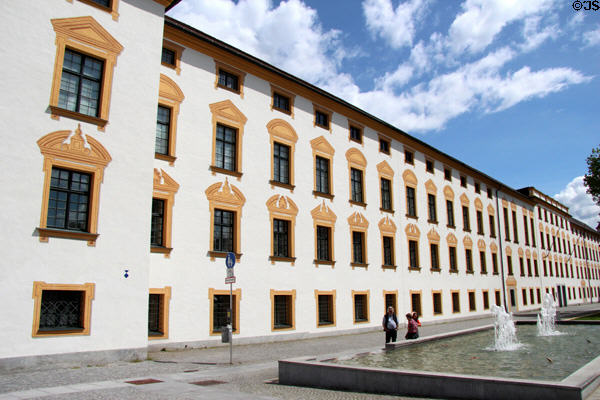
{"x": 397, "y": 26}
{"x": 581, "y": 205}
{"x": 534, "y": 36}
{"x": 592, "y": 38}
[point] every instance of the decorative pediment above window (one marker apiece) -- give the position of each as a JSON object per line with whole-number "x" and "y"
{"x": 227, "y": 110}
{"x": 279, "y": 204}
{"x": 280, "y": 129}
{"x": 409, "y": 177}
{"x": 321, "y": 145}
{"x": 513, "y": 206}
{"x": 508, "y": 251}
{"x": 511, "y": 281}
{"x": 467, "y": 242}
{"x": 323, "y": 213}
{"x": 481, "y": 244}
{"x": 464, "y": 200}
{"x": 386, "y": 224}
{"x": 430, "y": 187}
{"x": 354, "y": 156}
{"x": 448, "y": 193}
{"x": 478, "y": 205}
{"x": 493, "y": 247}
{"x": 504, "y": 203}
{"x": 169, "y": 89}
{"x": 491, "y": 210}
{"x": 535, "y": 255}
{"x": 385, "y": 170}
{"x": 433, "y": 236}
{"x": 223, "y": 192}
{"x": 547, "y": 229}
{"x": 520, "y": 252}
{"x": 528, "y": 253}
{"x": 164, "y": 183}
{"x": 87, "y": 31}
{"x": 451, "y": 239}
{"x": 412, "y": 231}
{"x": 357, "y": 220}
{"x": 79, "y": 149}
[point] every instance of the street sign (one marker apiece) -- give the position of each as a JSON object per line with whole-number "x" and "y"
{"x": 230, "y": 272}
{"x": 230, "y": 260}
{"x": 230, "y": 279}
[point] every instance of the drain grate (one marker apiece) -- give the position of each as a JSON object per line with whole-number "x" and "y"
{"x": 143, "y": 381}
{"x": 207, "y": 383}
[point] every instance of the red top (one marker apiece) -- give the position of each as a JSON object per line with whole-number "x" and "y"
{"x": 412, "y": 326}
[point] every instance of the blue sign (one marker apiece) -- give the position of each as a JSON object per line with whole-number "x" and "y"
{"x": 230, "y": 260}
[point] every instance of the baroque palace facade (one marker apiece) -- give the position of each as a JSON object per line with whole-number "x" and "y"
{"x": 144, "y": 150}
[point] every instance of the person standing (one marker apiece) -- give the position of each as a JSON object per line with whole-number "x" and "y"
{"x": 413, "y": 329}
{"x": 390, "y": 325}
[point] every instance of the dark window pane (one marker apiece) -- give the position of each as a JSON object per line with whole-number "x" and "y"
{"x": 386, "y": 198}
{"x": 357, "y": 247}
{"x": 80, "y": 83}
{"x": 325, "y": 309}
{"x": 220, "y": 309}
{"x": 357, "y": 185}
{"x": 154, "y": 305}
{"x": 158, "y": 215}
{"x": 280, "y": 238}
{"x": 281, "y": 163}
{"x": 388, "y": 251}
{"x": 432, "y": 208}
{"x": 225, "y": 156}
{"x": 228, "y": 80}
{"x": 323, "y": 243}
{"x": 360, "y": 307}
{"x": 163, "y": 127}
{"x": 410, "y": 202}
{"x": 69, "y": 200}
{"x": 322, "y": 174}
{"x": 61, "y": 310}
{"x": 223, "y": 231}
{"x": 282, "y": 317}
{"x": 321, "y": 119}
{"x": 168, "y": 56}
{"x": 281, "y": 102}
{"x": 355, "y": 134}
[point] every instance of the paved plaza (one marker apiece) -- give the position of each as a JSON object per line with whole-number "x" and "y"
{"x": 206, "y": 373}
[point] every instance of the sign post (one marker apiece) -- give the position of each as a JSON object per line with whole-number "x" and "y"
{"x": 229, "y": 263}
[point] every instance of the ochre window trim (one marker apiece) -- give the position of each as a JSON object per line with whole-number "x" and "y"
{"x": 165, "y": 188}
{"x": 357, "y": 160}
{"x": 226, "y": 113}
{"x": 165, "y": 294}
{"x": 325, "y": 111}
{"x": 74, "y": 156}
{"x": 353, "y": 124}
{"x": 236, "y": 306}
{"x": 333, "y": 301}
{"x": 387, "y": 227}
{"x": 324, "y": 216}
{"x": 410, "y": 180}
{"x": 178, "y": 51}
{"x": 389, "y": 142}
{"x": 224, "y": 196}
{"x": 282, "y": 132}
{"x": 291, "y": 96}
{"x": 385, "y": 171}
{"x": 170, "y": 96}
{"x": 85, "y": 35}
{"x": 413, "y": 234}
{"x": 39, "y": 287}
{"x": 395, "y": 293}
{"x": 358, "y": 223}
{"x": 291, "y": 293}
{"x": 367, "y": 306}
{"x": 283, "y": 208}
{"x": 433, "y": 293}
{"x": 322, "y": 148}
{"x": 113, "y": 9}
{"x": 234, "y": 71}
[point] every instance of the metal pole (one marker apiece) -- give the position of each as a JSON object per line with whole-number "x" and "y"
{"x": 230, "y": 323}
{"x": 501, "y": 254}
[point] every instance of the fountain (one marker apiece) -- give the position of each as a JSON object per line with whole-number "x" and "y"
{"x": 505, "y": 332}
{"x": 546, "y": 317}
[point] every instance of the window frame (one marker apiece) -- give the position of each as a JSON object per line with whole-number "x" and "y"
{"x": 386, "y": 172}
{"x": 358, "y": 224}
{"x": 281, "y": 132}
{"x": 112, "y": 9}
{"x": 326, "y": 113}
{"x": 225, "y": 196}
{"x": 225, "y": 113}
{"x": 241, "y": 75}
{"x": 357, "y": 163}
{"x": 86, "y": 36}
{"x": 169, "y": 96}
{"x": 433, "y": 302}
{"x": 291, "y": 299}
{"x": 409, "y": 156}
{"x": 237, "y": 298}
{"x": 177, "y": 51}
{"x": 283, "y": 93}
{"x": 283, "y": 208}
{"x": 388, "y": 143}
{"x": 455, "y": 306}
{"x": 165, "y": 188}
{"x": 321, "y": 148}
{"x": 387, "y": 228}
{"x": 88, "y": 291}
{"x": 324, "y": 217}
{"x": 163, "y": 316}
{"x": 365, "y": 293}
{"x": 359, "y": 128}
{"x": 472, "y": 300}
{"x": 332, "y": 294}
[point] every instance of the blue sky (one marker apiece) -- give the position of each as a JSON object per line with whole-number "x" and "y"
{"x": 507, "y": 86}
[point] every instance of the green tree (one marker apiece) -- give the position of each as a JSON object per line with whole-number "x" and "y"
{"x": 592, "y": 179}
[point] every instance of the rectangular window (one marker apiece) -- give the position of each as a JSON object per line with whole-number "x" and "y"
{"x": 480, "y": 223}
{"x": 506, "y": 225}
{"x": 281, "y": 102}
{"x": 539, "y": 298}
{"x": 163, "y": 129}
{"x": 526, "y": 227}
{"x": 221, "y": 312}
{"x": 325, "y": 309}
{"x": 323, "y": 243}
{"x": 386, "y": 194}
{"x": 455, "y": 302}
{"x": 356, "y": 179}
{"x": 228, "y": 80}
{"x": 321, "y": 119}
{"x": 435, "y": 256}
{"x": 282, "y": 311}
{"x": 390, "y": 301}
{"x": 521, "y": 266}
{"x": 158, "y": 313}
{"x": 358, "y": 247}
{"x": 411, "y": 210}
{"x": 409, "y": 157}
{"x": 281, "y": 163}
{"x": 415, "y": 302}
{"x": 413, "y": 253}
{"x": 489, "y": 193}
{"x": 437, "y": 303}
{"x": 432, "y": 208}
{"x": 450, "y": 213}
{"x": 429, "y": 166}
{"x": 384, "y": 145}
{"x": 535, "y": 268}
{"x": 61, "y": 310}
{"x": 168, "y": 56}
{"x": 524, "y": 294}
{"x": 492, "y": 226}
{"x": 322, "y": 174}
{"x": 154, "y": 307}
{"x": 388, "y": 250}
{"x": 223, "y": 231}
{"x": 158, "y": 220}
{"x": 542, "y": 240}
{"x": 226, "y": 148}
{"x": 361, "y": 311}
{"x": 105, "y": 3}
{"x": 452, "y": 258}
{"x": 69, "y": 200}
{"x": 463, "y": 181}
{"x": 486, "y": 300}
{"x": 509, "y": 264}
{"x": 466, "y": 219}
{"x": 280, "y": 238}
{"x": 482, "y": 262}
{"x": 531, "y": 298}
{"x": 80, "y": 84}
{"x": 469, "y": 260}
{"x": 355, "y": 134}
{"x": 447, "y": 174}
{"x": 515, "y": 227}
{"x": 495, "y": 263}
{"x": 528, "y": 267}
{"x": 477, "y": 188}
{"x": 472, "y": 305}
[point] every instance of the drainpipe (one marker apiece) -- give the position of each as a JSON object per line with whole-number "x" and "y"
{"x": 501, "y": 255}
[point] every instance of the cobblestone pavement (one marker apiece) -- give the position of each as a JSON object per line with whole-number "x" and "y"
{"x": 248, "y": 378}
